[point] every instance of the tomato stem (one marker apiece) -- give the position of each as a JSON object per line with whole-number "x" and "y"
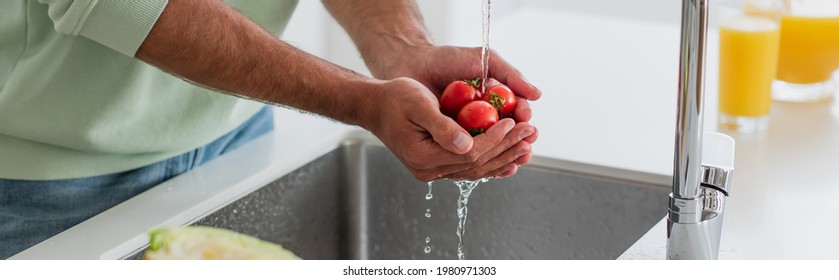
{"x": 496, "y": 100}
{"x": 475, "y": 83}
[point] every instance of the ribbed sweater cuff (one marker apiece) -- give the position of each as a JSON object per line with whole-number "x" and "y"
{"x": 121, "y": 24}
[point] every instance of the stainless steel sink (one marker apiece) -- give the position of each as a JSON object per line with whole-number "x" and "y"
{"x": 359, "y": 202}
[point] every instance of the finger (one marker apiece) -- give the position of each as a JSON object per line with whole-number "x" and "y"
{"x": 508, "y": 171}
{"x": 445, "y": 162}
{"x": 479, "y": 144}
{"x": 521, "y": 149}
{"x": 509, "y": 150}
{"x": 510, "y": 76}
{"x": 508, "y": 134}
{"x": 493, "y": 174}
{"x": 516, "y": 135}
{"x": 525, "y": 159}
{"x": 492, "y": 82}
{"x": 522, "y": 113}
{"x": 449, "y": 170}
{"x": 445, "y": 132}
{"x": 511, "y": 169}
{"x": 500, "y": 172}
{"x": 494, "y": 136}
{"x": 532, "y": 138}
{"x": 510, "y": 156}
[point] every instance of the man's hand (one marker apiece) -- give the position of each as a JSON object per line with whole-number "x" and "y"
{"x": 393, "y": 41}
{"x": 433, "y": 146}
{"x": 435, "y": 67}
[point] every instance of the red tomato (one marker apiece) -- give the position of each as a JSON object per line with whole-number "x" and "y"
{"x": 477, "y": 116}
{"x": 502, "y": 98}
{"x": 457, "y": 94}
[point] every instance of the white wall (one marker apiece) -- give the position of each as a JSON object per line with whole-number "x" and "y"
{"x": 455, "y": 22}
{"x": 450, "y": 22}
{"x": 654, "y": 10}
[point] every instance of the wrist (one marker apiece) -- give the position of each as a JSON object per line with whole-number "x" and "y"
{"x": 392, "y": 55}
{"x": 367, "y": 101}
{"x": 399, "y": 59}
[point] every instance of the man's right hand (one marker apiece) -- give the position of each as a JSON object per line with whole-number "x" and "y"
{"x": 405, "y": 115}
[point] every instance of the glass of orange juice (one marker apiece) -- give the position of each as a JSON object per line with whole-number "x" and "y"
{"x": 809, "y": 52}
{"x": 749, "y": 43}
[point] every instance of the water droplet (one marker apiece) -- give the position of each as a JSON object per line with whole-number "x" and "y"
{"x": 429, "y": 196}
{"x": 427, "y": 249}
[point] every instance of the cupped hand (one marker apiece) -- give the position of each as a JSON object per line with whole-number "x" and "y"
{"x": 436, "y": 66}
{"x": 433, "y": 146}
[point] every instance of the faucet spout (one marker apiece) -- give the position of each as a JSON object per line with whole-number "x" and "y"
{"x": 691, "y": 92}
{"x": 701, "y": 178}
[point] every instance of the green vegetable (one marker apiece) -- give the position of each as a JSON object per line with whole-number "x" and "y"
{"x": 208, "y": 243}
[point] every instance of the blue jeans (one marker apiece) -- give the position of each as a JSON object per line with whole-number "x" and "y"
{"x": 32, "y": 211}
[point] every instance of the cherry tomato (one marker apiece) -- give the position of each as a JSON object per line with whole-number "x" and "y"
{"x": 502, "y": 98}
{"x": 477, "y": 116}
{"x": 457, "y": 94}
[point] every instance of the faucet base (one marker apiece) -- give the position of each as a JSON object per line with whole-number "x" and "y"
{"x": 697, "y": 241}
{"x": 694, "y": 225}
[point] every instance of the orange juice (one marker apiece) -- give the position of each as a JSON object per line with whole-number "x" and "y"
{"x": 748, "y": 62}
{"x": 809, "y": 48}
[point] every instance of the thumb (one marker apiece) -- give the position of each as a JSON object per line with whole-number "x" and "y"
{"x": 446, "y": 132}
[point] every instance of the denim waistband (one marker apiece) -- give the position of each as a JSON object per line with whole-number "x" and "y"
{"x": 32, "y": 211}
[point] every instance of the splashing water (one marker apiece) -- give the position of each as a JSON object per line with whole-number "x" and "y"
{"x": 465, "y": 187}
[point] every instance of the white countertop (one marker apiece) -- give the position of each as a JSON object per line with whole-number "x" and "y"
{"x": 781, "y": 205}
{"x": 609, "y": 99}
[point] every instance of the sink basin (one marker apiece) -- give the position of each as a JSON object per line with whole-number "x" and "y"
{"x": 357, "y": 201}
{"x": 350, "y": 198}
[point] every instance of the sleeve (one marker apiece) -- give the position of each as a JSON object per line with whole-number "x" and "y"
{"x": 118, "y": 24}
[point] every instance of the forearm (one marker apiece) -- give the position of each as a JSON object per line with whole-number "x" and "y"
{"x": 383, "y": 30}
{"x": 209, "y": 43}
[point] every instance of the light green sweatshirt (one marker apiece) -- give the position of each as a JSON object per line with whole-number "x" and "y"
{"x": 74, "y": 102}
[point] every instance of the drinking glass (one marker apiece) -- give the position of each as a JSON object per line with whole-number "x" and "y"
{"x": 809, "y": 51}
{"x": 749, "y": 41}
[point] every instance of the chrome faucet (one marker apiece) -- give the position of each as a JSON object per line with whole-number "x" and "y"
{"x": 703, "y": 162}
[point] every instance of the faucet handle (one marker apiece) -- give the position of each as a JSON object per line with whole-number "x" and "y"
{"x": 717, "y": 177}
{"x": 717, "y": 161}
